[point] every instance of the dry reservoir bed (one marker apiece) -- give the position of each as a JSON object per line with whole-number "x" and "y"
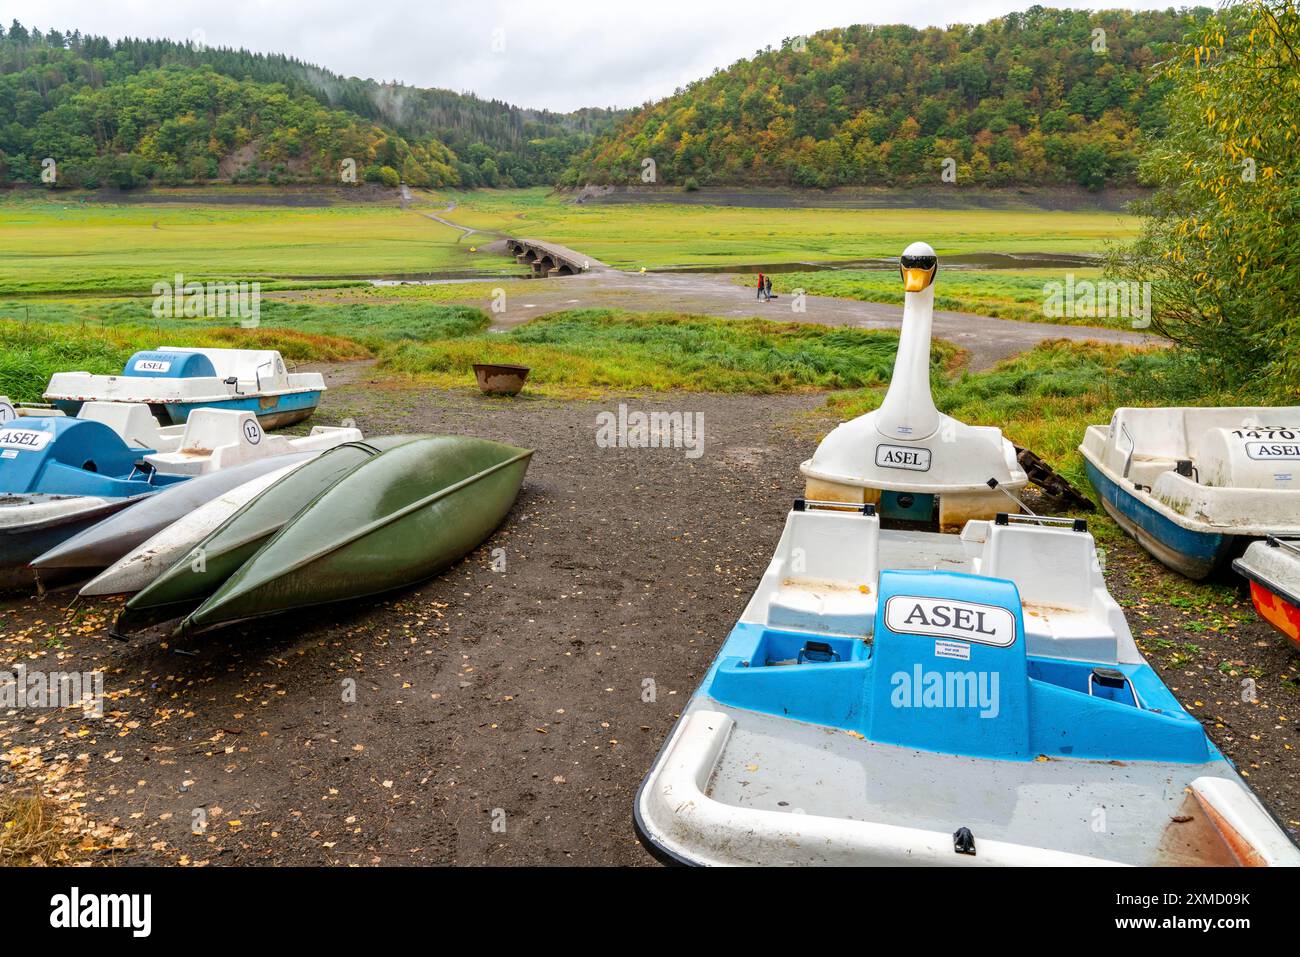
{"x": 501, "y": 715}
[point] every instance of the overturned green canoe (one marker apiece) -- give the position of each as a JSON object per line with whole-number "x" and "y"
{"x": 396, "y": 519}
{"x": 186, "y": 584}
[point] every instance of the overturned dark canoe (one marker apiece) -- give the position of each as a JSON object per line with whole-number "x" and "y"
{"x": 105, "y": 542}
{"x": 395, "y": 520}
{"x": 184, "y": 586}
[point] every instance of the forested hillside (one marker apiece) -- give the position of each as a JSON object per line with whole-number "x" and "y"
{"x": 1041, "y": 97}
{"x": 132, "y": 111}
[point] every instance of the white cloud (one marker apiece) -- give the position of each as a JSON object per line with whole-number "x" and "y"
{"x": 557, "y": 55}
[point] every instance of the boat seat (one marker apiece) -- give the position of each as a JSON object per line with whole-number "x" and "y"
{"x": 1050, "y": 566}
{"x": 826, "y": 570}
{"x": 1066, "y": 613}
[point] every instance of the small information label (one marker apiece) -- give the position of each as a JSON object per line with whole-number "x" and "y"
{"x": 952, "y": 649}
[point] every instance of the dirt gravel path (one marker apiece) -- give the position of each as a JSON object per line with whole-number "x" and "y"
{"x": 987, "y": 340}
{"x": 499, "y": 714}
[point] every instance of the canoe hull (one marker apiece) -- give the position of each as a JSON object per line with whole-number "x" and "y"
{"x": 180, "y": 589}
{"x": 174, "y": 543}
{"x": 106, "y": 542}
{"x": 396, "y": 520}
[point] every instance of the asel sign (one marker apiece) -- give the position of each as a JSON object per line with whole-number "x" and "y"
{"x": 1273, "y": 450}
{"x": 152, "y": 365}
{"x": 901, "y": 457}
{"x": 24, "y": 440}
{"x": 946, "y": 618}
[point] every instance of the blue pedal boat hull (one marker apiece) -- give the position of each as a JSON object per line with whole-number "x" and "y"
{"x": 1187, "y": 551}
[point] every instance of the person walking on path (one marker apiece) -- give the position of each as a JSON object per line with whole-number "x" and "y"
{"x": 761, "y": 287}
{"x": 767, "y": 287}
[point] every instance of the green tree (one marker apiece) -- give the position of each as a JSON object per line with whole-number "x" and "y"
{"x": 1221, "y": 242}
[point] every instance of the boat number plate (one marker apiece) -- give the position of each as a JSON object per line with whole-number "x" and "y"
{"x": 252, "y": 432}
{"x": 7, "y": 413}
{"x": 24, "y": 440}
{"x": 901, "y": 457}
{"x": 152, "y": 365}
{"x": 945, "y": 618}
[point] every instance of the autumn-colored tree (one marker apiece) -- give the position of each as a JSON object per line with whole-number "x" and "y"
{"x": 1221, "y": 244}
{"x": 1044, "y": 97}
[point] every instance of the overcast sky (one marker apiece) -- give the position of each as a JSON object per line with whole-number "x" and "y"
{"x": 561, "y": 55}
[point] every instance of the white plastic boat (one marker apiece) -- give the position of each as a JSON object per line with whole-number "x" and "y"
{"x": 901, "y": 697}
{"x": 9, "y": 410}
{"x": 215, "y": 439}
{"x": 1272, "y": 567}
{"x": 1194, "y": 485}
{"x": 175, "y": 381}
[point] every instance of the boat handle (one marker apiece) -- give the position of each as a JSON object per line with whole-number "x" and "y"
{"x": 865, "y": 508}
{"x": 1291, "y": 545}
{"x": 1078, "y": 524}
{"x": 257, "y": 373}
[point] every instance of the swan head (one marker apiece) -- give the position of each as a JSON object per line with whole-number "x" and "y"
{"x": 918, "y": 266}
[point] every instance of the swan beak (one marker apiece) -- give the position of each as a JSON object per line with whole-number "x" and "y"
{"x": 914, "y": 280}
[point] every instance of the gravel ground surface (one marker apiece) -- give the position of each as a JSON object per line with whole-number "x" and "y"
{"x": 499, "y": 712}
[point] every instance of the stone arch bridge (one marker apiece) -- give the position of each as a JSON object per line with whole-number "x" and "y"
{"x": 548, "y": 259}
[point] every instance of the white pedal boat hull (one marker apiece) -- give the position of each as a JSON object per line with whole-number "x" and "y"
{"x": 1243, "y": 481}
{"x": 232, "y": 379}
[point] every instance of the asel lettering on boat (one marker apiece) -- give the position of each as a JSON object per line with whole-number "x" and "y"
{"x": 901, "y": 457}
{"x": 943, "y": 618}
{"x": 152, "y": 365}
{"x": 1273, "y": 450}
{"x": 24, "y": 440}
